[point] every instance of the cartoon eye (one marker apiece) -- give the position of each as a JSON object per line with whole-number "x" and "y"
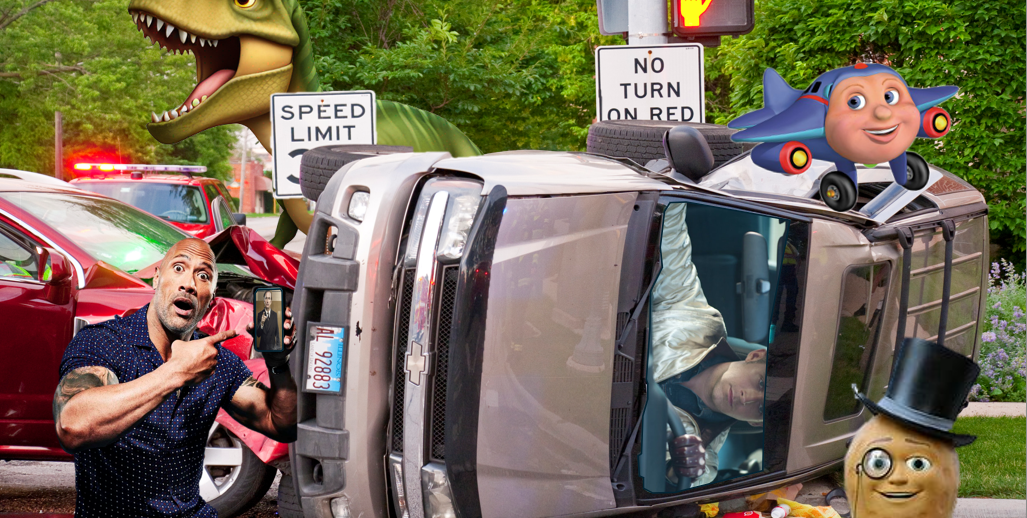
{"x": 891, "y": 96}
{"x": 245, "y": 4}
{"x": 857, "y": 102}
{"x": 877, "y": 463}
{"x": 918, "y": 463}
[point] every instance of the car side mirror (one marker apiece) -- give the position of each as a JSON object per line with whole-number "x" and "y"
{"x": 688, "y": 152}
{"x": 240, "y": 218}
{"x": 54, "y": 267}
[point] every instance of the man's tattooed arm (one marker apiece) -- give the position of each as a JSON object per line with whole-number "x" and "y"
{"x": 254, "y": 382}
{"x": 82, "y": 378}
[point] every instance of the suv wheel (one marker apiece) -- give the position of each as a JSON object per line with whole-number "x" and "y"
{"x": 234, "y": 479}
{"x": 288, "y": 501}
{"x": 642, "y": 141}
{"x": 321, "y": 163}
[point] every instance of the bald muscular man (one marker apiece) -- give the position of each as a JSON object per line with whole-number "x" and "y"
{"x": 138, "y": 396}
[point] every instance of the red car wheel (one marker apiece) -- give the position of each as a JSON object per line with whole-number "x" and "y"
{"x": 936, "y": 122}
{"x": 795, "y": 158}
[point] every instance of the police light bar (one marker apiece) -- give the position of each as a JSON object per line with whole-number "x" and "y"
{"x": 693, "y": 18}
{"x": 146, "y": 168}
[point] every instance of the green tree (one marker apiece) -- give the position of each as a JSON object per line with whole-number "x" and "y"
{"x": 511, "y": 74}
{"x": 86, "y": 59}
{"x": 977, "y": 46}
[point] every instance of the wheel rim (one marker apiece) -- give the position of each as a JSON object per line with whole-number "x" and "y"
{"x": 222, "y": 459}
{"x": 832, "y": 192}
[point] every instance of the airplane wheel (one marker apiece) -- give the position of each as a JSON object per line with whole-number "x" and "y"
{"x": 917, "y": 172}
{"x": 795, "y": 158}
{"x": 838, "y": 191}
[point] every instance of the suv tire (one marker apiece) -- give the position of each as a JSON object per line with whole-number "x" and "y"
{"x": 642, "y": 141}
{"x": 321, "y": 163}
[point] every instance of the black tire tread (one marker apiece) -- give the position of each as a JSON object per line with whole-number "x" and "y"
{"x": 320, "y": 164}
{"x": 288, "y": 501}
{"x": 642, "y": 141}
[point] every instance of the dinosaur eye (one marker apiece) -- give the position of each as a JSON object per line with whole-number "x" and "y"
{"x": 918, "y": 464}
{"x": 245, "y": 4}
{"x": 876, "y": 463}
{"x": 857, "y": 102}
{"x": 891, "y": 96}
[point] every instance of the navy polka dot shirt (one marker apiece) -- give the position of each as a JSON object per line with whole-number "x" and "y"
{"x": 154, "y": 468}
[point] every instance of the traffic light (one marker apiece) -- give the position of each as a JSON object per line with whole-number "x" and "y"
{"x": 692, "y": 18}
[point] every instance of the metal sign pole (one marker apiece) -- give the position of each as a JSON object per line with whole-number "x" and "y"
{"x": 647, "y": 22}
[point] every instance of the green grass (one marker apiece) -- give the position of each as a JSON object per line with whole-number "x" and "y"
{"x": 260, "y": 215}
{"x": 994, "y": 466}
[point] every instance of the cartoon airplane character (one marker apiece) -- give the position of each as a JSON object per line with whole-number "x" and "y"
{"x": 862, "y": 113}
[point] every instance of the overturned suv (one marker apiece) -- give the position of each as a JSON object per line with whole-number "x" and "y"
{"x": 528, "y": 333}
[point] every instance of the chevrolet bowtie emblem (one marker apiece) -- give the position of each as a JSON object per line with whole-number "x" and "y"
{"x": 417, "y": 363}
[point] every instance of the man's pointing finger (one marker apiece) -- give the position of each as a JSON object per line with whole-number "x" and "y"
{"x": 221, "y": 337}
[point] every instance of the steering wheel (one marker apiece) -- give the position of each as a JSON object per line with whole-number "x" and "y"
{"x": 168, "y": 215}
{"x": 677, "y": 429}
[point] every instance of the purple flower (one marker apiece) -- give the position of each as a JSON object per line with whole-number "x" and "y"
{"x": 988, "y": 336}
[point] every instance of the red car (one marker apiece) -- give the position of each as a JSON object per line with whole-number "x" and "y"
{"x": 198, "y": 205}
{"x": 69, "y": 258}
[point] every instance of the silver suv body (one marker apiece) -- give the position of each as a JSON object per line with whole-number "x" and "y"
{"x": 495, "y": 315}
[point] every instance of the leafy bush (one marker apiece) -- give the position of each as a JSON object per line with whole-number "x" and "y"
{"x": 931, "y": 43}
{"x": 1004, "y": 340}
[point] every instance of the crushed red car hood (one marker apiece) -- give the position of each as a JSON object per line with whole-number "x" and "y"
{"x": 264, "y": 259}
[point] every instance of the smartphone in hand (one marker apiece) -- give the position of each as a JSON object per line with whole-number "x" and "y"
{"x": 268, "y": 315}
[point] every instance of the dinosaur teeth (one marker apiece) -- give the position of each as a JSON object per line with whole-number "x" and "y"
{"x": 214, "y": 42}
{"x": 165, "y": 117}
{"x": 135, "y": 17}
{"x": 202, "y": 42}
{"x": 154, "y": 117}
{"x": 182, "y": 35}
{"x": 174, "y": 114}
{"x": 160, "y": 23}
{"x": 149, "y": 19}
{"x": 169, "y": 30}
{"x": 192, "y": 38}
{"x": 196, "y": 102}
{"x": 185, "y": 109}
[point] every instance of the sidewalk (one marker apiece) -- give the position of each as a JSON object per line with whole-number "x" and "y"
{"x": 994, "y": 410}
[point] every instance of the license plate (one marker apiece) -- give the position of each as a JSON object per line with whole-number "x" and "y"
{"x": 325, "y": 355}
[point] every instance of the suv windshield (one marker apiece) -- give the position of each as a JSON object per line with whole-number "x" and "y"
{"x": 106, "y": 229}
{"x": 173, "y": 202}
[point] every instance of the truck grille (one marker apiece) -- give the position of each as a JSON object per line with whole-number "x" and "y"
{"x": 398, "y": 379}
{"x": 447, "y": 301}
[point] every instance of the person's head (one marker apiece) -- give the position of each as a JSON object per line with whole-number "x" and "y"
{"x": 871, "y": 119}
{"x": 893, "y": 470}
{"x": 267, "y": 301}
{"x": 736, "y": 389}
{"x": 184, "y": 285}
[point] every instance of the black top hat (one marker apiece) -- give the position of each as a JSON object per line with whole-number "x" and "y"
{"x": 928, "y": 386}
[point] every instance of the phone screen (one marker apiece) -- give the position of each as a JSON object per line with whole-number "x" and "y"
{"x": 268, "y": 314}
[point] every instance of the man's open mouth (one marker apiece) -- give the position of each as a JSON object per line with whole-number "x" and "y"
{"x": 882, "y": 131}
{"x": 184, "y": 306}
{"x": 897, "y": 495}
{"x": 214, "y": 68}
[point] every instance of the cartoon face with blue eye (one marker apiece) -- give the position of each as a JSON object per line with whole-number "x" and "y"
{"x": 871, "y": 119}
{"x": 892, "y": 470}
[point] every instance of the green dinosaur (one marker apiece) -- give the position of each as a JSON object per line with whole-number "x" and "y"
{"x": 247, "y": 50}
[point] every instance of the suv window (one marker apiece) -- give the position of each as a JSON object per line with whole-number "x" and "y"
{"x": 212, "y": 192}
{"x": 16, "y": 260}
{"x": 172, "y": 202}
{"x": 226, "y": 195}
{"x": 859, "y": 323}
{"x": 222, "y": 213}
{"x": 711, "y": 310}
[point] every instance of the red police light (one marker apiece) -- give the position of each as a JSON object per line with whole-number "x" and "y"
{"x": 694, "y": 18}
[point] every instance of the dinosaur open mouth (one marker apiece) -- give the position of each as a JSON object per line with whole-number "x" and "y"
{"x": 217, "y": 60}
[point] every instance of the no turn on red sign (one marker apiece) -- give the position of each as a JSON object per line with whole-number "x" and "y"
{"x": 659, "y": 82}
{"x": 303, "y": 121}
